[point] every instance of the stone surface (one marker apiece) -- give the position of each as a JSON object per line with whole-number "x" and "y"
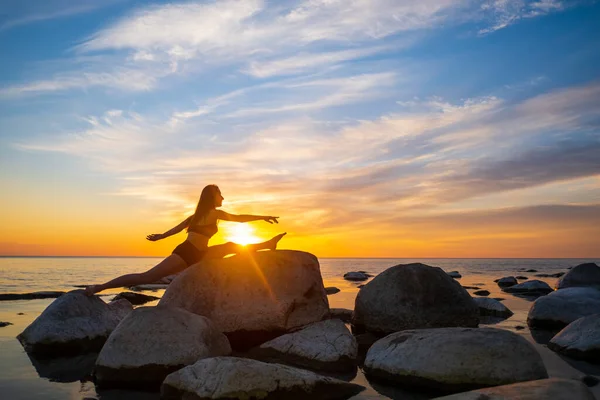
{"x": 356, "y": 276}
{"x": 238, "y": 378}
{"x": 454, "y": 359}
{"x": 30, "y": 296}
{"x": 331, "y": 290}
{"x": 341, "y": 313}
{"x": 3, "y": 324}
{"x": 481, "y": 293}
{"x": 543, "y": 389}
{"x": 73, "y": 323}
{"x": 492, "y": 307}
{"x": 253, "y": 298}
{"x": 506, "y": 281}
{"x": 325, "y": 346}
{"x": 135, "y": 298}
{"x": 152, "y": 342}
{"x": 520, "y": 277}
{"x": 580, "y": 339}
{"x": 587, "y": 274}
{"x": 533, "y": 287}
{"x": 413, "y": 296}
{"x": 564, "y": 306}
{"x": 454, "y": 274}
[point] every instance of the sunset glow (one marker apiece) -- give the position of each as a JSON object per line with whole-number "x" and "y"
{"x": 241, "y": 234}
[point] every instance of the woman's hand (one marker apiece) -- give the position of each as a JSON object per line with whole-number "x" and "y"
{"x": 271, "y": 219}
{"x": 155, "y": 236}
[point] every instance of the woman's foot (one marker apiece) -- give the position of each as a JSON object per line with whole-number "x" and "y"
{"x": 92, "y": 290}
{"x": 273, "y": 242}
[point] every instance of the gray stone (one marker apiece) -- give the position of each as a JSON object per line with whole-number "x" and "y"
{"x": 413, "y": 296}
{"x": 331, "y": 290}
{"x": 135, "y": 298}
{"x": 533, "y": 287}
{"x": 564, "y": 306}
{"x": 454, "y": 274}
{"x": 30, "y": 296}
{"x": 239, "y": 378}
{"x": 73, "y": 323}
{"x": 253, "y": 297}
{"x": 492, "y": 307}
{"x": 356, "y": 276}
{"x": 543, "y": 389}
{"x": 152, "y": 342}
{"x": 325, "y": 346}
{"x": 341, "y": 313}
{"x": 454, "y": 359}
{"x": 506, "y": 281}
{"x": 580, "y": 339}
{"x": 587, "y": 274}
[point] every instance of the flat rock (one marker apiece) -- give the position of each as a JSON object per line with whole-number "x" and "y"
{"x": 153, "y": 287}
{"x": 323, "y": 346}
{"x": 543, "y": 389}
{"x": 3, "y": 324}
{"x": 135, "y": 298}
{"x": 556, "y": 275}
{"x": 506, "y": 281}
{"x": 521, "y": 277}
{"x": 481, "y": 293}
{"x": 152, "y": 342}
{"x": 454, "y": 274}
{"x": 239, "y": 378}
{"x": 255, "y": 297}
{"x": 492, "y": 307}
{"x": 472, "y": 287}
{"x": 580, "y": 339}
{"x": 73, "y": 323}
{"x": 454, "y": 359}
{"x": 564, "y": 306}
{"x": 331, "y": 290}
{"x": 413, "y": 296}
{"x": 356, "y": 276}
{"x": 30, "y": 296}
{"x": 533, "y": 287}
{"x": 587, "y": 274}
{"x": 341, "y": 313}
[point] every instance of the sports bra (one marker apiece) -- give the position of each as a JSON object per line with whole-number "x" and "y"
{"x": 205, "y": 230}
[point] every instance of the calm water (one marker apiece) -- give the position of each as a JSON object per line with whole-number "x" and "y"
{"x": 25, "y": 378}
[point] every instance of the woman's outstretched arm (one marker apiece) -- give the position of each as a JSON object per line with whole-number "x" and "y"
{"x": 245, "y": 217}
{"x": 157, "y": 236}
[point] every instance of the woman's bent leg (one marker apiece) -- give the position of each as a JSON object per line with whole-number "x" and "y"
{"x": 225, "y": 249}
{"x": 170, "y": 265}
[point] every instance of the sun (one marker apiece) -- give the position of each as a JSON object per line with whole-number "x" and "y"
{"x": 241, "y": 234}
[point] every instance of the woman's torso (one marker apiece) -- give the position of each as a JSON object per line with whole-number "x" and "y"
{"x": 200, "y": 240}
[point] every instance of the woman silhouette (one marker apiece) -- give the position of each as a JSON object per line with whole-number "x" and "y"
{"x": 201, "y": 226}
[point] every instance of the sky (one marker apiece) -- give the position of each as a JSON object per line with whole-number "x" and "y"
{"x": 372, "y": 128}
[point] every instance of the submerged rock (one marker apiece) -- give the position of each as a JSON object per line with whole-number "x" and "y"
{"x": 153, "y": 287}
{"x": 3, "y": 324}
{"x": 73, "y": 323}
{"x": 454, "y": 359}
{"x": 492, "y": 307}
{"x": 254, "y": 297}
{"x": 587, "y": 274}
{"x": 556, "y": 275}
{"x": 481, "y": 293}
{"x": 356, "y": 276}
{"x": 152, "y": 342}
{"x": 413, "y": 296}
{"x": 341, "y": 313}
{"x": 135, "y": 298}
{"x": 506, "y": 281}
{"x": 239, "y": 378}
{"x": 324, "y": 346}
{"x": 331, "y": 290}
{"x": 533, "y": 287}
{"x": 30, "y": 296}
{"x": 580, "y": 339}
{"x": 454, "y": 274}
{"x": 563, "y": 306}
{"x": 520, "y": 277}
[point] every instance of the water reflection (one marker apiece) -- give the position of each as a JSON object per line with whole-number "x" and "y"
{"x": 65, "y": 369}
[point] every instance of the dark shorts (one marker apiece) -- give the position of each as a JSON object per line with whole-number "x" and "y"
{"x": 189, "y": 253}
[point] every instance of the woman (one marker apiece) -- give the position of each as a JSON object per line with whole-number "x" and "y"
{"x": 202, "y": 225}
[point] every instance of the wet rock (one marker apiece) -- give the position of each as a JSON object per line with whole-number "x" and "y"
{"x": 590, "y": 381}
{"x": 73, "y": 323}
{"x": 580, "y": 339}
{"x": 251, "y": 297}
{"x": 413, "y": 296}
{"x": 454, "y": 274}
{"x": 135, "y": 298}
{"x": 356, "y": 276}
{"x": 492, "y": 307}
{"x": 521, "y": 278}
{"x": 533, "y": 287}
{"x": 556, "y": 275}
{"x": 152, "y": 342}
{"x": 20, "y": 313}
{"x": 331, "y": 290}
{"x": 454, "y": 359}
{"x": 30, "y": 296}
{"x": 519, "y": 327}
{"x": 64, "y": 369}
{"x": 499, "y": 298}
{"x": 341, "y": 313}
{"x": 472, "y": 287}
{"x": 230, "y": 377}
{"x": 587, "y": 274}
{"x": 152, "y": 287}
{"x": 531, "y": 270}
{"x": 481, "y": 293}
{"x": 3, "y": 324}
{"x": 564, "y": 306}
{"x": 506, "y": 281}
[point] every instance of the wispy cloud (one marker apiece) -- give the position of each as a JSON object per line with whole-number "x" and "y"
{"x": 503, "y": 13}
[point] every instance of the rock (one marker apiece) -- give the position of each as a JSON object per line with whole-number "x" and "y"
{"x": 472, "y": 287}
{"x": 30, "y": 296}
{"x": 356, "y": 276}
{"x": 590, "y": 380}
{"x": 323, "y": 346}
{"x": 239, "y": 378}
{"x": 3, "y": 324}
{"x": 499, "y": 298}
{"x": 543, "y": 389}
{"x": 153, "y": 287}
{"x": 520, "y": 277}
{"x": 454, "y": 359}
{"x": 253, "y": 298}
{"x": 341, "y": 313}
{"x": 360, "y": 286}
{"x": 533, "y": 287}
{"x": 506, "y": 281}
{"x": 519, "y": 327}
{"x": 481, "y": 293}
{"x": 531, "y": 270}
{"x": 65, "y": 369}
{"x": 152, "y": 342}
{"x": 580, "y": 339}
{"x": 167, "y": 279}
{"x": 587, "y": 274}
{"x": 492, "y": 307}
{"x": 556, "y": 275}
{"x": 331, "y": 290}
{"x": 454, "y": 274}
{"x": 135, "y": 298}
{"x": 73, "y": 323}
{"x": 563, "y": 306}
{"x": 20, "y": 313}
{"x": 413, "y": 296}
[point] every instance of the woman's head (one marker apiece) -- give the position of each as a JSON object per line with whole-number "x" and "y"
{"x": 210, "y": 198}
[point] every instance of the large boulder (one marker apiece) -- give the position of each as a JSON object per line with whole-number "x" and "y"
{"x": 580, "y": 339}
{"x": 324, "y": 346}
{"x": 587, "y": 274}
{"x": 530, "y": 288}
{"x": 543, "y": 389}
{"x": 253, "y": 297}
{"x": 152, "y": 342}
{"x": 72, "y": 324}
{"x": 563, "y": 306}
{"x": 239, "y": 378}
{"x": 492, "y": 307}
{"x": 454, "y": 359}
{"x": 413, "y": 296}
{"x": 506, "y": 281}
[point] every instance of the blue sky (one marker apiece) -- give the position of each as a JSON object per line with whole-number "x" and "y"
{"x": 346, "y": 115}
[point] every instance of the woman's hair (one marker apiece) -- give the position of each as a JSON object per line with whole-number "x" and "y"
{"x": 205, "y": 204}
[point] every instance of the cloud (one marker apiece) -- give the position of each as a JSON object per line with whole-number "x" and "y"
{"x": 503, "y": 13}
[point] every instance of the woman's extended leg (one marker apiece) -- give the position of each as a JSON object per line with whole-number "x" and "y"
{"x": 225, "y": 249}
{"x": 170, "y": 265}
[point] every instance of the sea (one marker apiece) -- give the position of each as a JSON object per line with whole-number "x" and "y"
{"x": 22, "y": 376}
